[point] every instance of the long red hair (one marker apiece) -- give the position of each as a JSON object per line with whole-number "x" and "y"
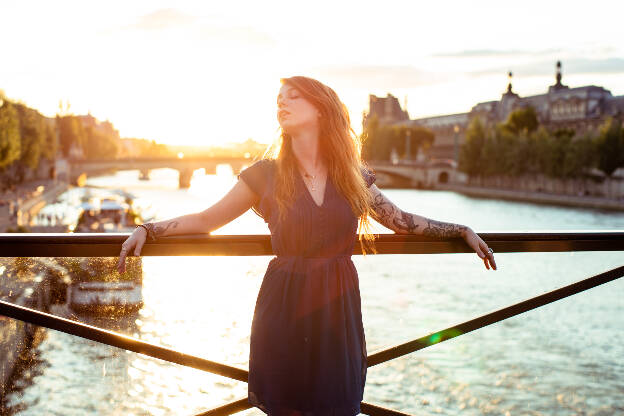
{"x": 340, "y": 148}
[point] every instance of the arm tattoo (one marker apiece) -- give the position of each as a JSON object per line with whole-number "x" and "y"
{"x": 382, "y": 209}
{"x": 390, "y": 216}
{"x": 439, "y": 229}
{"x": 160, "y": 230}
{"x": 405, "y": 223}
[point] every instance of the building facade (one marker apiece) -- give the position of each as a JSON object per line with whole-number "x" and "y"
{"x": 580, "y": 108}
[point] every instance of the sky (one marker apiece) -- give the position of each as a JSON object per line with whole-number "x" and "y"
{"x": 207, "y": 73}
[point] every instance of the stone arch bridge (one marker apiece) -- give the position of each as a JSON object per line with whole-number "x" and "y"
{"x": 425, "y": 175}
{"x": 80, "y": 169}
{"x": 412, "y": 174}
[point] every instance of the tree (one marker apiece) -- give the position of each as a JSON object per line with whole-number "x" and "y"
{"x": 421, "y": 137}
{"x": 98, "y": 144}
{"x": 379, "y": 139}
{"x": 71, "y": 133}
{"x": 9, "y": 134}
{"x": 32, "y": 139}
{"x": 50, "y": 139}
{"x": 610, "y": 146}
{"x": 579, "y": 157}
{"x": 541, "y": 139}
{"x": 522, "y": 120}
{"x": 471, "y": 151}
{"x": 369, "y": 138}
{"x": 558, "y": 149}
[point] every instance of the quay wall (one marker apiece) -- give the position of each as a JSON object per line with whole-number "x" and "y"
{"x": 536, "y": 197}
{"x": 22, "y": 210}
{"x": 32, "y": 206}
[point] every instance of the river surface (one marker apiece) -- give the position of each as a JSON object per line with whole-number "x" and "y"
{"x": 566, "y": 358}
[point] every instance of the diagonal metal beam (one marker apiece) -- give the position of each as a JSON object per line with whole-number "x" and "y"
{"x": 228, "y": 409}
{"x": 243, "y": 404}
{"x": 493, "y": 317}
{"x": 117, "y": 340}
{"x": 375, "y": 410}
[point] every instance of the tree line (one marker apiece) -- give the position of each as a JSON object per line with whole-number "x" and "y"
{"x": 521, "y": 146}
{"x": 27, "y": 138}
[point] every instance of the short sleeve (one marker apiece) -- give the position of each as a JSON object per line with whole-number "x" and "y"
{"x": 256, "y": 176}
{"x": 368, "y": 175}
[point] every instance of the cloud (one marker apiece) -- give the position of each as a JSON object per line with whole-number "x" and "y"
{"x": 163, "y": 19}
{"x": 380, "y": 76}
{"x": 569, "y": 66}
{"x": 202, "y": 28}
{"x": 590, "y": 49}
{"x": 487, "y": 53}
{"x": 237, "y": 34}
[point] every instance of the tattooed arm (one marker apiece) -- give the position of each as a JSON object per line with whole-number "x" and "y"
{"x": 390, "y": 216}
{"x": 238, "y": 200}
{"x": 401, "y": 222}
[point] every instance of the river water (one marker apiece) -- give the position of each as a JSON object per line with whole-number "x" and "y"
{"x": 562, "y": 359}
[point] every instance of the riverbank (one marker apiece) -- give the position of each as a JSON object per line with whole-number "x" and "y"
{"x": 19, "y": 205}
{"x": 535, "y": 197}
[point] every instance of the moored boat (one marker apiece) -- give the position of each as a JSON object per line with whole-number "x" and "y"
{"x": 96, "y": 286}
{"x": 105, "y": 297}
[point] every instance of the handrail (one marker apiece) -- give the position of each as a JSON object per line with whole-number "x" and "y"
{"x": 109, "y": 244}
{"x": 92, "y": 245}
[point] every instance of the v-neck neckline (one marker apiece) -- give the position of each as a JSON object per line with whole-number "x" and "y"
{"x": 307, "y": 191}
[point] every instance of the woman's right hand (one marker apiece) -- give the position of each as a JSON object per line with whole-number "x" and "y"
{"x": 135, "y": 241}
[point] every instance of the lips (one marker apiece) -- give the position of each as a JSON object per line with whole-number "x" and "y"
{"x": 282, "y": 113}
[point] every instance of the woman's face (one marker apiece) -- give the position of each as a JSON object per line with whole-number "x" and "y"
{"x": 295, "y": 112}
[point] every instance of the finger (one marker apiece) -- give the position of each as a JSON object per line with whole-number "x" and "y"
{"x": 121, "y": 265}
{"x": 490, "y": 257}
{"x": 492, "y": 261}
{"x": 138, "y": 248}
{"x": 484, "y": 247}
{"x": 485, "y": 261}
{"x": 480, "y": 252}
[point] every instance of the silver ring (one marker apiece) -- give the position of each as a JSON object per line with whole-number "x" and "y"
{"x": 490, "y": 250}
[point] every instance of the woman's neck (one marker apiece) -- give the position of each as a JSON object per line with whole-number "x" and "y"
{"x": 306, "y": 148}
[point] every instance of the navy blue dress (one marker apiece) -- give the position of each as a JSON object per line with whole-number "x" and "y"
{"x": 307, "y": 346}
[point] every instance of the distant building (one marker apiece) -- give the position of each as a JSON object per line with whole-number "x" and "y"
{"x": 105, "y": 127}
{"x": 581, "y": 108}
{"x": 387, "y": 109}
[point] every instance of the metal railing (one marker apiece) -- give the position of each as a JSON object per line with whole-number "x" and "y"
{"x": 102, "y": 245}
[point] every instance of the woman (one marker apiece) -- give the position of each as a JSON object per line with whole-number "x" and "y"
{"x": 307, "y": 346}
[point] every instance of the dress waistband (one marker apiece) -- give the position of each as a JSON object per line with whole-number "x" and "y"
{"x": 301, "y": 257}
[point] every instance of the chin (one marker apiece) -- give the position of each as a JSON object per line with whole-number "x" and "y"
{"x": 288, "y": 127}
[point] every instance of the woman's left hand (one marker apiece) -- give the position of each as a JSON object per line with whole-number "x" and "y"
{"x": 481, "y": 248}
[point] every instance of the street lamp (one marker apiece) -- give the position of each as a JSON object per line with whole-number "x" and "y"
{"x": 456, "y": 146}
{"x": 408, "y": 143}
